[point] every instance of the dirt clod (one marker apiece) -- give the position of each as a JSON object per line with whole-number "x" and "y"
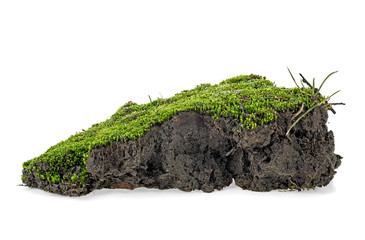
{"x": 193, "y": 151}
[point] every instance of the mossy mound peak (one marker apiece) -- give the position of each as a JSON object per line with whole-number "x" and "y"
{"x": 251, "y": 99}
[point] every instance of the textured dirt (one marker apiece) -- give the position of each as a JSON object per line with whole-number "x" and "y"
{"x": 193, "y": 151}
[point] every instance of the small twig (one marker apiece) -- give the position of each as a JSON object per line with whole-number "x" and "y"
{"x": 296, "y": 82}
{"x": 326, "y": 102}
{"x": 332, "y": 110}
{"x": 280, "y": 98}
{"x": 300, "y": 110}
{"x": 293, "y": 78}
{"x": 243, "y": 108}
{"x": 305, "y": 81}
{"x": 231, "y": 151}
{"x": 245, "y": 98}
{"x": 293, "y": 184}
{"x": 337, "y": 103}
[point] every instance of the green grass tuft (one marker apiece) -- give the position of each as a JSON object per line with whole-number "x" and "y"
{"x": 252, "y": 100}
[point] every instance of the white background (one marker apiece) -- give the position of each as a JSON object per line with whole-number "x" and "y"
{"x": 65, "y": 65}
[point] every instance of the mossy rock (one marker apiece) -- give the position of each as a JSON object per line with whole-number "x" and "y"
{"x": 247, "y": 107}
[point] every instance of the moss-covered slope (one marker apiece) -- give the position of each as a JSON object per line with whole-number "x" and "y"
{"x": 252, "y": 100}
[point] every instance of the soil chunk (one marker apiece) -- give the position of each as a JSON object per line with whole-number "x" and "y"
{"x": 194, "y": 151}
{"x": 244, "y": 129}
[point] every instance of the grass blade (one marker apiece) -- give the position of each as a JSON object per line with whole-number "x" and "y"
{"x": 319, "y": 89}
{"x": 295, "y": 123}
{"x": 293, "y": 78}
{"x": 328, "y": 98}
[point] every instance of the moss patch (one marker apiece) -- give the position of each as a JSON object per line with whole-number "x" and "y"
{"x": 252, "y": 100}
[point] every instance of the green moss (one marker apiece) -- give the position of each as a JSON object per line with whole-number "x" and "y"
{"x": 253, "y": 100}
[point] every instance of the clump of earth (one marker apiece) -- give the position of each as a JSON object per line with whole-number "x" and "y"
{"x": 193, "y": 151}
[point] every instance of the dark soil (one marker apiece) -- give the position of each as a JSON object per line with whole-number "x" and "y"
{"x": 193, "y": 151}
